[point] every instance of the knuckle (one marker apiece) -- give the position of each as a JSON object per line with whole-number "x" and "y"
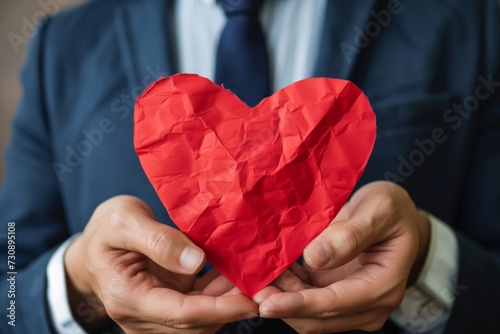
{"x": 335, "y": 308}
{"x": 161, "y": 241}
{"x": 312, "y": 331}
{"x": 312, "y": 326}
{"x": 389, "y": 211}
{"x": 385, "y": 309}
{"x": 176, "y": 323}
{"x": 336, "y": 312}
{"x": 122, "y": 203}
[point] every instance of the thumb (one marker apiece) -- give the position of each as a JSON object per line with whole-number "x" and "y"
{"x": 338, "y": 244}
{"x": 353, "y": 230}
{"x": 134, "y": 228}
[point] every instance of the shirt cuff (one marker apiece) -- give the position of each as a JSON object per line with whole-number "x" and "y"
{"x": 426, "y": 305}
{"x": 57, "y": 298}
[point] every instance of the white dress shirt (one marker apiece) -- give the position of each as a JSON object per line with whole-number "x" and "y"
{"x": 199, "y": 23}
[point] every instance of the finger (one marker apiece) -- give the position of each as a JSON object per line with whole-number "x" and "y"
{"x": 133, "y": 227}
{"x": 344, "y": 213}
{"x": 322, "y": 278}
{"x": 346, "y": 297}
{"x": 293, "y": 279}
{"x": 219, "y": 286}
{"x": 289, "y": 282}
{"x": 233, "y": 291}
{"x": 339, "y": 243}
{"x": 175, "y": 310}
{"x": 369, "y": 217}
{"x": 265, "y": 293}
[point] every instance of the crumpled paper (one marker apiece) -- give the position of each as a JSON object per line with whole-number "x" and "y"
{"x": 253, "y": 186}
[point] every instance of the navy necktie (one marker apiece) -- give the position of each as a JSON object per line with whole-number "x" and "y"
{"x": 242, "y": 64}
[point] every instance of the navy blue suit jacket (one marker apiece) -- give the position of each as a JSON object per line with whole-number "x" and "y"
{"x": 72, "y": 136}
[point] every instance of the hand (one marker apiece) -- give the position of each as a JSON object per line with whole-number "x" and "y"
{"x": 214, "y": 284}
{"x": 139, "y": 272}
{"x": 359, "y": 266}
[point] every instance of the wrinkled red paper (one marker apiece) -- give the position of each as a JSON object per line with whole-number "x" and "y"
{"x": 253, "y": 186}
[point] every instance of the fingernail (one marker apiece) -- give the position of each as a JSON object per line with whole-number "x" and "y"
{"x": 191, "y": 258}
{"x": 318, "y": 254}
{"x": 264, "y": 311}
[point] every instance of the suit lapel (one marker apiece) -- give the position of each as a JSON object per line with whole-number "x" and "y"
{"x": 144, "y": 33}
{"x": 340, "y": 46}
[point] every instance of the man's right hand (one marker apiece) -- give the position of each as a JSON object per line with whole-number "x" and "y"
{"x": 128, "y": 267}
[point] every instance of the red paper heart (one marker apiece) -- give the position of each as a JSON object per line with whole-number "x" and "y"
{"x": 253, "y": 186}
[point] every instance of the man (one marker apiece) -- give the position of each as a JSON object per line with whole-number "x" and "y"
{"x": 431, "y": 72}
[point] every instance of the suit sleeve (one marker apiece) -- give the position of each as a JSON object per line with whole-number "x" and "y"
{"x": 478, "y": 286}
{"x": 30, "y": 200}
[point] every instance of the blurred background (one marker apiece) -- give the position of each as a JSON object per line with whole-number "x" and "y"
{"x": 17, "y": 20}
